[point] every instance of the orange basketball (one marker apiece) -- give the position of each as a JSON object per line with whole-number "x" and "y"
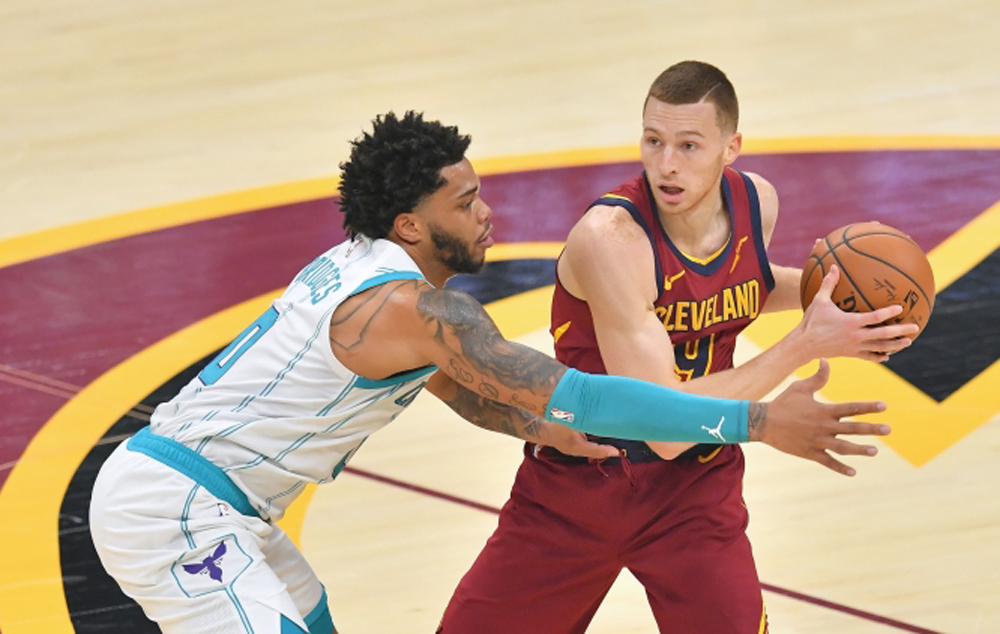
{"x": 879, "y": 266}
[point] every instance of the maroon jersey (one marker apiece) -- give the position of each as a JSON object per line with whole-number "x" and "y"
{"x": 703, "y": 304}
{"x": 678, "y": 525}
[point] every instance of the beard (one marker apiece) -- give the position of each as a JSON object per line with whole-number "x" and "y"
{"x": 455, "y": 254}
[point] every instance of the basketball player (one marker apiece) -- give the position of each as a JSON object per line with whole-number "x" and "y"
{"x": 656, "y": 281}
{"x": 183, "y": 513}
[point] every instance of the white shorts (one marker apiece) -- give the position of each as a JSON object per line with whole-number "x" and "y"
{"x": 192, "y": 561}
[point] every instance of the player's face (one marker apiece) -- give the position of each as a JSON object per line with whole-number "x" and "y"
{"x": 684, "y": 151}
{"x": 458, "y": 220}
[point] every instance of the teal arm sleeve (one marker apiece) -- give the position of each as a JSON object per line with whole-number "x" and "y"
{"x": 621, "y": 407}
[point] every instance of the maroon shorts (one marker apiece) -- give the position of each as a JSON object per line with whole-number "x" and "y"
{"x": 570, "y": 526}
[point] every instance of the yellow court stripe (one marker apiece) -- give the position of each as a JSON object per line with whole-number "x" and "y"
{"x": 955, "y": 256}
{"x": 74, "y": 236}
{"x": 522, "y": 314}
{"x": 524, "y": 251}
{"x": 49, "y": 242}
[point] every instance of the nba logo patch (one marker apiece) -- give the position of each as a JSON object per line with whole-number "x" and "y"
{"x": 210, "y": 568}
{"x": 558, "y": 414}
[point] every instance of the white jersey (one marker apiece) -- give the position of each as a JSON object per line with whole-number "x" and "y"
{"x": 276, "y": 409}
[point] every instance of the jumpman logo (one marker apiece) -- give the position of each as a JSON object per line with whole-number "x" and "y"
{"x": 209, "y": 564}
{"x": 717, "y": 431}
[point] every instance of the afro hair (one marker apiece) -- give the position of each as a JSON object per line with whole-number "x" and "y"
{"x": 395, "y": 167}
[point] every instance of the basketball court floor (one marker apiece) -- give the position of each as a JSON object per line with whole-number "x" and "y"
{"x": 166, "y": 168}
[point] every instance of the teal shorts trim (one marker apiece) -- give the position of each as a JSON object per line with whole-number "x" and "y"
{"x": 195, "y": 466}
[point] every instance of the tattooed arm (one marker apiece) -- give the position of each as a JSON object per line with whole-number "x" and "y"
{"x": 404, "y": 325}
{"x": 493, "y": 416}
{"x": 472, "y": 351}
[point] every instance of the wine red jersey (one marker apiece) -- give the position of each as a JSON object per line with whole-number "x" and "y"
{"x": 703, "y": 304}
{"x": 678, "y": 524}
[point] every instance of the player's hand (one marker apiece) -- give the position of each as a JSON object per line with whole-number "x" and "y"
{"x": 828, "y": 331}
{"x": 797, "y": 424}
{"x": 573, "y": 443}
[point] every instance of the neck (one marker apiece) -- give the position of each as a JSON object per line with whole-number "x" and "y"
{"x": 701, "y": 230}
{"x": 430, "y": 267}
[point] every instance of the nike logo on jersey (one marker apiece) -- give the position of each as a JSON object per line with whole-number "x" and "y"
{"x": 560, "y": 331}
{"x": 716, "y": 432}
{"x": 668, "y": 282}
{"x": 704, "y": 459}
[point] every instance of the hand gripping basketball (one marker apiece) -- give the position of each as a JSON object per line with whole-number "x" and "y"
{"x": 828, "y": 331}
{"x": 879, "y": 265}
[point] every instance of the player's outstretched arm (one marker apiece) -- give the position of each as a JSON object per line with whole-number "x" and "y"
{"x": 504, "y": 419}
{"x": 469, "y": 348}
{"x": 460, "y": 338}
{"x": 405, "y": 325}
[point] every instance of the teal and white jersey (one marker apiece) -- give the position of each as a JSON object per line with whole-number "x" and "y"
{"x": 276, "y": 409}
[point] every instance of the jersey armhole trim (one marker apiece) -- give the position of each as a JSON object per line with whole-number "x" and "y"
{"x": 384, "y": 278}
{"x": 340, "y": 369}
{"x": 633, "y": 211}
{"x": 400, "y": 377}
{"x": 758, "y": 233}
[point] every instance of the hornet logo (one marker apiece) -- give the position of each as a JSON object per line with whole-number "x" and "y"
{"x": 717, "y": 431}
{"x": 209, "y": 563}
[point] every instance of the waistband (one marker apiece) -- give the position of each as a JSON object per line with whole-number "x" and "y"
{"x": 192, "y": 464}
{"x": 634, "y": 451}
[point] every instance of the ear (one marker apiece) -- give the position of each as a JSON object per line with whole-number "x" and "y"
{"x": 408, "y": 227}
{"x": 733, "y": 148}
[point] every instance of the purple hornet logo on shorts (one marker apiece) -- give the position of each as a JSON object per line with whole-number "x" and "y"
{"x": 209, "y": 564}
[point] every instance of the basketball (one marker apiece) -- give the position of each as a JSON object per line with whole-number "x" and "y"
{"x": 879, "y": 266}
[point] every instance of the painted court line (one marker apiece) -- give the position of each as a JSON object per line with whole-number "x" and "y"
{"x": 39, "y": 383}
{"x": 847, "y": 610}
{"x": 50, "y": 386}
{"x": 823, "y": 603}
